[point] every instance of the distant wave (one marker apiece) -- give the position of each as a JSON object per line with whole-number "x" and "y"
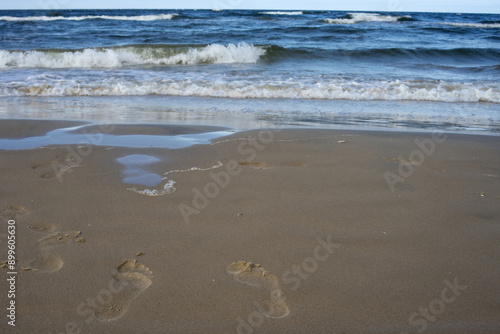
{"x": 255, "y": 87}
{"x": 458, "y": 69}
{"x": 135, "y": 55}
{"x": 352, "y": 18}
{"x": 282, "y": 13}
{"x": 89, "y": 17}
{"x": 427, "y": 53}
{"x": 276, "y": 53}
{"x": 474, "y": 25}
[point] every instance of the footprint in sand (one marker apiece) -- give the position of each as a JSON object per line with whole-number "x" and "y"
{"x": 12, "y": 212}
{"x": 254, "y": 275}
{"x": 132, "y": 278}
{"x": 47, "y": 172}
{"x": 46, "y": 262}
{"x": 56, "y": 167}
{"x": 44, "y": 259}
{"x": 42, "y": 227}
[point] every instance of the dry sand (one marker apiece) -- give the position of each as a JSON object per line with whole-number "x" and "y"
{"x": 325, "y": 245}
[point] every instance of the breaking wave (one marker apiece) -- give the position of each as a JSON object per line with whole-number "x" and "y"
{"x": 224, "y": 87}
{"x": 134, "y": 55}
{"x": 352, "y": 18}
{"x": 89, "y": 17}
{"x": 474, "y": 25}
{"x": 282, "y": 13}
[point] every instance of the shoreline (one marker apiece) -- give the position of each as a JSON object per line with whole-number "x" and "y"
{"x": 41, "y": 133}
{"x": 272, "y": 230}
{"x": 247, "y": 114}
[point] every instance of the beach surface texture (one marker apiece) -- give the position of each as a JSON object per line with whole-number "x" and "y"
{"x": 267, "y": 230}
{"x": 249, "y": 171}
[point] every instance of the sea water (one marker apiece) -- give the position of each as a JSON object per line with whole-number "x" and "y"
{"x": 292, "y": 68}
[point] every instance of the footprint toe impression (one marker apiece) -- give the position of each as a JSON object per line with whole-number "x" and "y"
{"x": 131, "y": 279}
{"x": 254, "y": 275}
{"x": 45, "y": 260}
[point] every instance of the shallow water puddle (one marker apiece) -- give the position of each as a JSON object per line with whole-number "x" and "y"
{"x": 135, "y": 173}
{"x": 68, "y": 136}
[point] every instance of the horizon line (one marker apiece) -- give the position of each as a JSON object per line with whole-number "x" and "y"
{"x": 253, "y": 9}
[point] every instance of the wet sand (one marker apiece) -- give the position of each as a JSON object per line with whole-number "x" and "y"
{"x": 263, "y": 231}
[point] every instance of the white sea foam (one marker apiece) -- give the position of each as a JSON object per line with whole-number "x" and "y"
{"x": 282, "y": 13}
{"x": 89, "y": 17}
{"x": 365, "y": 17}
{"x": 132, "y": 56}
{"x": 474, "y": 25}
{"x": 334, "y": 89}
{"x": 168, "y": 188}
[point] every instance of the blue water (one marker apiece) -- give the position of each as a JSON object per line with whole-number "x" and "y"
{"x": 66, "y": 136}
{"x": 249, "y": 55}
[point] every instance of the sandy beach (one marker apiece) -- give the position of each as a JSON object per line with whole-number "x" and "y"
{"x": 264, "y": 231}
{"x": 249, "y": 167}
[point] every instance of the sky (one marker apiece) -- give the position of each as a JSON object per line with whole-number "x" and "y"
{"x": 453, "y": 6}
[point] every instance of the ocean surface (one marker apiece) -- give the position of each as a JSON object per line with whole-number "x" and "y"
{"x": 305, "y": 68}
